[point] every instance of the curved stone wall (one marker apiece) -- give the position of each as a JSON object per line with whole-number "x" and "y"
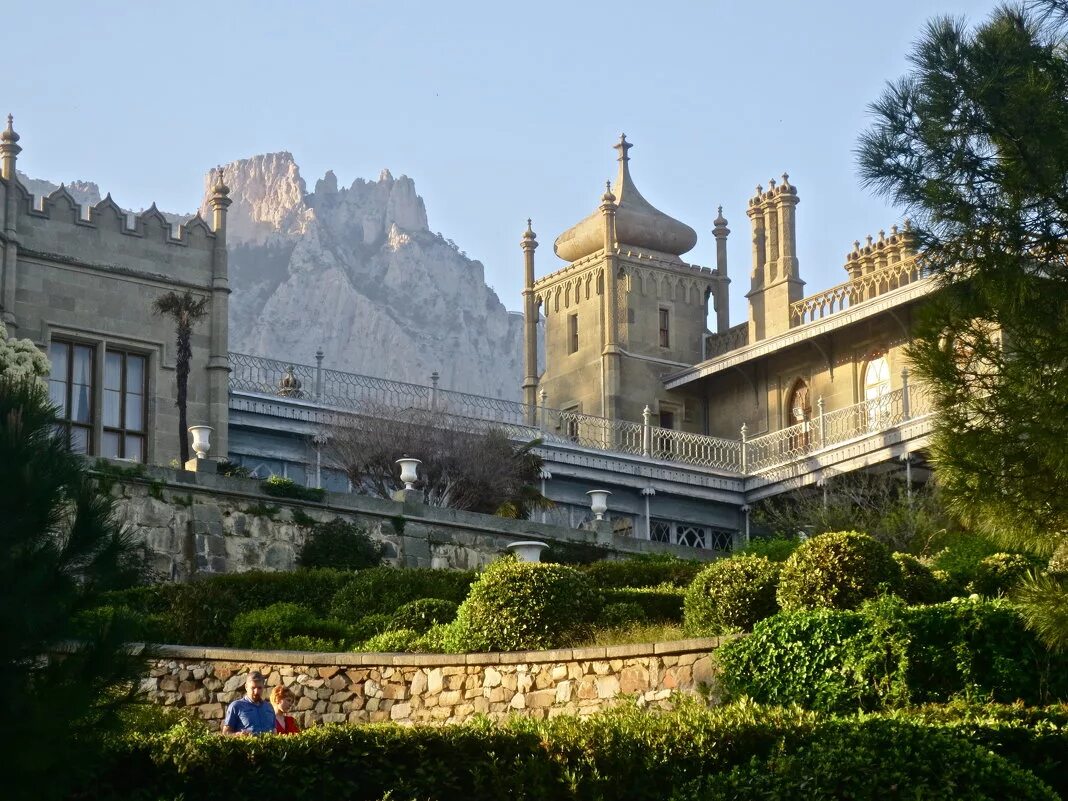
{"x": 436, "y": 688}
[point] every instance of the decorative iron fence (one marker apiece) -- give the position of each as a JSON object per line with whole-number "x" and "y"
{"x": 327, "y": 392}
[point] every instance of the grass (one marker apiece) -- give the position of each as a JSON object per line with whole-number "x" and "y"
{"x": 633, "y": 635}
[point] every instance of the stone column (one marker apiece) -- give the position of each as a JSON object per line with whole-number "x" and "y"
{"x": 772, "y": 271}
{"x": 787, "y": 201}
{"x": 218, "y": 362}
{"x": 529, "y": 243}
{"x": 610, "y": 354}
{"x": 755, "y": 213}
{"x": 721, "y": 231}
{"x": 9, "y": 151}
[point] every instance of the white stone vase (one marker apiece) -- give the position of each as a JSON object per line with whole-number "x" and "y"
{"x": 599, "y": 502}
{"x": 409, "y": 471}
{"x": 527, "y": 550}
{"x": 201, "y": 440}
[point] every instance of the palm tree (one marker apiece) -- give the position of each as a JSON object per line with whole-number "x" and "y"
{"x": 185, "y": 310}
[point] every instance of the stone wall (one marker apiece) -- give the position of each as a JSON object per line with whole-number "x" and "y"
{"x": 198, "y": 523}
{"x": 436, "y": 688}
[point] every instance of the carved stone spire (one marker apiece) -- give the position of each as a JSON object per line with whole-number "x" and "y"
{"x": 9, "y": 150}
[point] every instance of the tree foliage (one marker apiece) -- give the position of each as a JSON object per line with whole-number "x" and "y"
{"x": 64, "y": 672}
{"x": 185, "y": 310}
{"x": 973, "y": 142}
{"x": 474, "y": 470}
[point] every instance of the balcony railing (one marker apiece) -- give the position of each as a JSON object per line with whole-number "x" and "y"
{"x": 325, "y": 392}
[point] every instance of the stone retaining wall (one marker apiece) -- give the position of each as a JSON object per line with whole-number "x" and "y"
{"x": 196, "y": 523}
{"x": 436, "y": 688}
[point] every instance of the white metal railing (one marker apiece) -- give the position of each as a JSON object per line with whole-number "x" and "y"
{"x": 325, "y": 393}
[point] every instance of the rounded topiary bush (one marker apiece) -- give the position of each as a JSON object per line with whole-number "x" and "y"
{"x": 421, "y": 614}
{"x": 837, "y": 570}
{"x": 277, "y": 626}
{"x": 999, "y": 573}
{"x": 398, "y": 641}
{"x": 620, "y": 614}
{"x": 339, "y": 544}
{"x": 731, "y": 595}
{"x": 517, "y": 606}
{"x": 919, "y": 583}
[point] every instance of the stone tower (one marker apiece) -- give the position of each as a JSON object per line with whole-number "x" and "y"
{"x": 625, "y": 311}
{"x": 775, "y": 280}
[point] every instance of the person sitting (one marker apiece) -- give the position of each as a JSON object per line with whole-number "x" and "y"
{"x": 282, "y": 699}
{"x": 250, "y": 714}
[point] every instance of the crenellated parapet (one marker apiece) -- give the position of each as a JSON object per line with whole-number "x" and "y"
{"x": 877, "y": 254}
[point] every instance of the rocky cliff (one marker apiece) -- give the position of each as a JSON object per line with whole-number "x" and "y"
{"x": 357, "y": 272}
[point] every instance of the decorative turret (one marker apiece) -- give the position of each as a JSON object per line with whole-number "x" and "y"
{"x": 720, "y": 231}
{"x": 219, "y": 201}
{"x": 775, "y": 280}
{"x": 637, "y": 222}
{"x": 529, "y": 244}
{"x": 9, "y": 150}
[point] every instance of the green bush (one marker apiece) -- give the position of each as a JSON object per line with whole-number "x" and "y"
{"x": 341, "y": 545}
{"x": 920, "y": 584}
{"x": 1000, "y": 572}
{"x": 279, "y": 487}
{"x": 619, "y": 615}
{"x": 740, "y": 751}
{"x": 877, "y": 759}
{"x": 517, "y": 606}
{"x": 777, "y": 549}
{"x": 276, "y": 625}
{"x": 642, "y": 571}
{"x": 838, "y": 570}
{"x": 368, "y": 626}
{"x": 383, "y": 590}
{"x": 420, "y": 615}
{"x": 395, "y": 641}
{"x": 433, "y": 641}
{"x": 889, "y": 655}
{"x": 661, "y": 604}
{"x": 731, "y": 595}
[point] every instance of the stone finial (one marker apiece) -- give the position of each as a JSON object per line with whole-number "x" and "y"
{"x": 608, "y": 197}
{"x": 9, "y": 134}
{"x": 720, "y": 221}
{"x": 623, "y": 146}
{"x": 771, "y": 184}
{"x": 785, "y": 179}
{"x": 220, "y": 187}
{"x": 529, "y": 233}
{"x": 529, "y": 240}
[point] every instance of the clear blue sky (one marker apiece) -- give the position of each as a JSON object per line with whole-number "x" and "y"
{"x": 499, "y": 111}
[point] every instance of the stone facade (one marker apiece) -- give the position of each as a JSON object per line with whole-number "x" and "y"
{"x": 437, "y": 688}
{"x": 88, "y": 277}
{"x": 198, "y": 523}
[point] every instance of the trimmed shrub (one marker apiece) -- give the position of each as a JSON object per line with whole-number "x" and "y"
{"x": 383, "y": 590}
{"x": 920, "y": 584}
{"x": 999, "y": 573}
{"x": 618, "y": 615}
{"x": 341, "y": 545}
{"x": 433, "y": 641}
{"x": 731, "y": 595}
{"x": 367, "y": 627}
{"x": 661, "y": 604}
{"x": 277, "y": 625}
{"x": 838, "y": 570}
{"x": 279, "y": 487}
{"x": 889, "y": 655}
{"x": 396, "y": 641}
{"x": 517, "y": 606}
{"x": 777, "y": 549}
{"x": 421, "y": 615}
{"x": 642, "y": 571}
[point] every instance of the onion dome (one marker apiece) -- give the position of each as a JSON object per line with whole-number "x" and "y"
{"x": 638, "y": 223}
{"x": 8, "y": 134}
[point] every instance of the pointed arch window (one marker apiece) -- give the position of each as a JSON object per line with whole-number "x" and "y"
{"x": 877, "y": 392}
{"x": 798, "y": 415}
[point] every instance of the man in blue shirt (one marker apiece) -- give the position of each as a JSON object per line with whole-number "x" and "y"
{"x": 251, "y": 714}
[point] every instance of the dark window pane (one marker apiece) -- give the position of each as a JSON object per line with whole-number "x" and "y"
{"x": 135, "y": 412}
{"x": 80, "y": 401}
{"x": 135, "y": 373}
{"x": 112, "y": 408}
{"x": 83, "y": 364}
{"x": 79, "y": 439}
{"x": 57, "y": 354}
{"x": 113, "y": 371}
{"x": 57, "y": 393}
{"x": 110, "y": 446}
{"x": 135, "y": 448}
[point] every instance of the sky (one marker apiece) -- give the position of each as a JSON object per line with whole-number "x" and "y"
{"x": 498, "y": 111}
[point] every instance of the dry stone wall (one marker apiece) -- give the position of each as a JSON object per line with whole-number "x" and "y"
{"x": 437, "y": 688}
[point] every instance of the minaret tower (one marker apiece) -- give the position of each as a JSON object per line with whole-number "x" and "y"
{"x": 720, "y": 232}
{"x": 9, "y": 151}
{"x": 218, "y": 356}
{"x": 529, "y": 244}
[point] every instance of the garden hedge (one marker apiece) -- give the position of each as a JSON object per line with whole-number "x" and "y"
{"x": 731, "y": 595}
{"x": 739, "y": 751}
{"x": 837, "y": 570}
{"x": 661, "y": 604}
{"x": 888, "y": 655}
{"x": 383, "y": 590}
{"x": 642, "y": 572}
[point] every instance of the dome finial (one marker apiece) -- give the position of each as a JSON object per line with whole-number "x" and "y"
{"x": 623, "y": 146}
{"x": 608, "y": 197}
{"x": 9, "y": 134}
{"x": 220, "y": 187}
